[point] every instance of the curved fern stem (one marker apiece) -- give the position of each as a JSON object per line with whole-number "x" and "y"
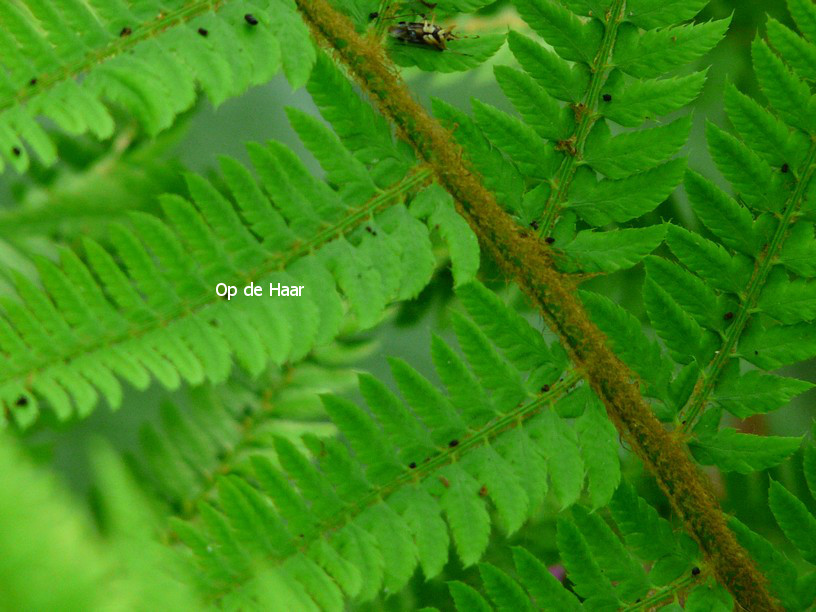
{"x": 586, "y": 112}
{"x": 708, "y": 381}
{"x": 525, "y": 259}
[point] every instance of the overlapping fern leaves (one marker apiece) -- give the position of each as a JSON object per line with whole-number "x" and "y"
{"x": 559, "y": 163}
{"x": 735, "y": 305}
{"x": 356, "y": 516}
{"x": 148, "y": 57}
{"x": 558, "y": 167}
{"x": 151, "y": 311}
{"x": 314, "y": 523}
{"x": 604, "y": 567}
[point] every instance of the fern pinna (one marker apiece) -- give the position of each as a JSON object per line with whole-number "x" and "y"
{"x": 156, "y": 313}
{"x": 335, "y": 501}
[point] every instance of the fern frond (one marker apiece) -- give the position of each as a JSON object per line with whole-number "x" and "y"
{"x": 180, "y": 457}
{"x": 69, "y": 62}
{"x": 569, "y": 161}
{"x": 734, "y": 304}
{"x": 531, "y": 264}
{"x": 152, "y": 311}
{"x": 795, "y": 583}
{"x": 375, "y": 508}
{"x": 603, "y": 561}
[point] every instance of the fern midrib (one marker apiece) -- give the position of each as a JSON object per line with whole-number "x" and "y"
{"x": 447, "y": 456}
{"x": 116, "y": 47}
{"x": 709, "y": 381}
{"x": 481, "y": 436}
{"x": 415, "y": 178}
{"x": 524, "y": 259}
{"x": 568, "y": 167}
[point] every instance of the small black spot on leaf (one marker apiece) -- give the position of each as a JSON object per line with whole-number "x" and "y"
{"x": 695, "y": 571}
{"x": 16, "y": 151}
{"x": 453, "y": 443}
{"x": 251, "y": 19}
{"x": 412, "y": 465}
{"x": 33, "y": 81}
{"x": 21, "y": 401}
{"x": 373, "y": 15}
{"x": 549, "y": 240}
{"x": 126, "y": 31}
{"x": 534, "y": 224}
{"x": 728, "y": 315}
{"x": 545, "y": 388}
{"x": 785, "y": 168}
{"x": 203, "y": 31}
{"x": 607, "y": 97}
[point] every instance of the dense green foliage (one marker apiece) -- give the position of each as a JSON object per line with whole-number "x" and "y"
{"x": 271, "y": 471}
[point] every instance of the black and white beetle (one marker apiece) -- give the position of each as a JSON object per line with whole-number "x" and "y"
{"x": 423, "y": 33}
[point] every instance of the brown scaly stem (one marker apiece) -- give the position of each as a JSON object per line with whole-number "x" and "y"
{"x": 528, "y": 261}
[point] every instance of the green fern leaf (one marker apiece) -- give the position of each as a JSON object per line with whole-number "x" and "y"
{"x": 500, "y": 176}
{"x": 590, "y": 582}
{"x": 561, "y": 445}
{"x": 795, "y": 520}
{"x": 787, "y": 94}
{"x": 505, "y": 592}
{"x": 611, "y": 251}
{"x": 756, "y": 393}
{"x": 658, "y": 51}
{"x": 526, "y": 149}
{"x": 758, "y": 128}
{"x": 571, "y": 38}
{"x": 650, "y": 14}
{"x": 797, "y": 51}
{"x": 538, "y": 108}
{"x": 436, "y": 205}
{"x": 633, "y": 103}
{"x": 548, "y": 593}
{"x": 750, "y": 175}
{"x": 618, "y": 157}
{"x": 467, "y": 598}
{"x": 805, "y": 17}
{"x": 56, "y": 74}
{"x": 628, "y": 339}
{"x": 726, "y": 219}
{"x": 780, "y": 570}
{"x": 744, "y": 453}
{"x": 598, "y": 439}
{"x": 555, "y": 75}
